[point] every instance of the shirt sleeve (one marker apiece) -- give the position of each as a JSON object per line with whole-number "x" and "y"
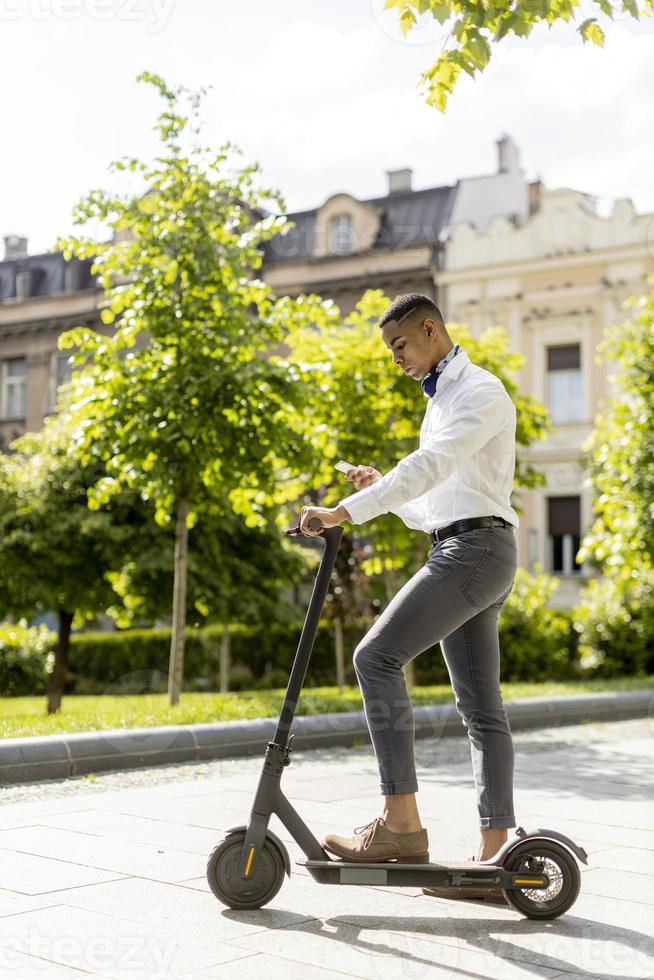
{"x": 475, "y": 417}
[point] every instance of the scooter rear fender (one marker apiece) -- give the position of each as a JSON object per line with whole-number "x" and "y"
{"x": 541, "y": 833}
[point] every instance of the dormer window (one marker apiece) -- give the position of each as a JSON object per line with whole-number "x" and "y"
{"x": 340, "y": 234}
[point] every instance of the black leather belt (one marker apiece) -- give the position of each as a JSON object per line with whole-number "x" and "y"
{"x": 466, "y": 525}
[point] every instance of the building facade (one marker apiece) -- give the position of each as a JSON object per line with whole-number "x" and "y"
{"x": 41, "y": 296}
{"x": 492, "y": 249}
{"x": 497, "y": 249}
{"x": 554, "y": 282}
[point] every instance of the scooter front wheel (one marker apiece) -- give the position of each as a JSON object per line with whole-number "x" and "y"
{"x": 225, "y": 881}
{"x": 557, "y": 863}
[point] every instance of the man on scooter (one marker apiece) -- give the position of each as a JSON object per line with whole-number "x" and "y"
{"x": 456, "y": 488}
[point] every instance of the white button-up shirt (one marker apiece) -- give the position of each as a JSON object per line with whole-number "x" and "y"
{"x": 466, "y": 461}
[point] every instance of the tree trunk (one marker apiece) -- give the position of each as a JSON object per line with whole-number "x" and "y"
{"x": 57, "y": 678}
{"x": 225, "y": 660}
{"x": 338, "y": 650}
{"x": 176, "y": 663}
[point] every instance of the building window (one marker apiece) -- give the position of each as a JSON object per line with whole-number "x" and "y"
{"x": 564, "y": 533}
{"x": 340, "y": 234}
{"x": 13, "y": 388}
{"x": 60, "y": 372}
{"x": 564, "y": 385}
{"x": 24, "y": 284}
{"x": 72, "y": 276}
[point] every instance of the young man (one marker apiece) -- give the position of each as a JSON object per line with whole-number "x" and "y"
{"x": 456, "y": 487}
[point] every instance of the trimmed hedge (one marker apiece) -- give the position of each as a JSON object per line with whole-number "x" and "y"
{"x": 133, "y": 660}
{"x": 536, "y": 643}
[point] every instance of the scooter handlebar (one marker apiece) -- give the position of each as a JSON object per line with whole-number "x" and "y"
{"x": 315, "y": 524}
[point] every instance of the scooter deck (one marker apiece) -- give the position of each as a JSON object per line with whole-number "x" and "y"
{"x": 452, "y": 874}
{"x": 431, "y": 865}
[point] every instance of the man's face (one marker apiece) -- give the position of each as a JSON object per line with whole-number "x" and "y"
{"x": 414, "y": 345}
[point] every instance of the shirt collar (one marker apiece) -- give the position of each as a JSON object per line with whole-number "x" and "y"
{"x": 428, "y": 383}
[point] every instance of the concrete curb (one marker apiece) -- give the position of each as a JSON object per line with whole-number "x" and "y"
{"x": 43, "y": 757}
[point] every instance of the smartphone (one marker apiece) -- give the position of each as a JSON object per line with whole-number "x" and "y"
{"x": 344, "y": 467}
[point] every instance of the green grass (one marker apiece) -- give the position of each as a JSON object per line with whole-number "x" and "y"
{"x": 27, "y": 716}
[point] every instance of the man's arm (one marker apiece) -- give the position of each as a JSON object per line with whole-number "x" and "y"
{"x": 476, "y": 417}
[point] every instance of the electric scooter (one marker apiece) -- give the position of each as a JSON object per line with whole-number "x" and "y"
{"x": 536, "y": 870}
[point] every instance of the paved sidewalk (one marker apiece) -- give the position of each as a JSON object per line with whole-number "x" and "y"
{"x": 106, "y": 876}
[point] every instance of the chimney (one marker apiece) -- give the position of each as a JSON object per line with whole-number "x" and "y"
{"x": 15, "y": 247}
{"x": 535, "y": 189}
{"x": 399, "y": 180}
{"x": 507, "y": 155}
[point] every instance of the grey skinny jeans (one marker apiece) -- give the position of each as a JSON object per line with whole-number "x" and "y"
{"x": 454, "y": 599}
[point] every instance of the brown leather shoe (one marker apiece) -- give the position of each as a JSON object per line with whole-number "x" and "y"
{"x": 494, "y": 896}
{"x": 375, "y": 842}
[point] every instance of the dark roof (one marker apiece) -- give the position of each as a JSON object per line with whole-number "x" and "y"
{"x": 408, "y": 218}
{"x": 47, "y": 274}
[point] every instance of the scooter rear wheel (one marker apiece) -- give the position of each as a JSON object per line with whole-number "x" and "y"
{"x": 557, "y": 863}
{"x": 223, "y": 874}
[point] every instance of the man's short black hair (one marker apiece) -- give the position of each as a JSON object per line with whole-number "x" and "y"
{"x": 409, "y": 303}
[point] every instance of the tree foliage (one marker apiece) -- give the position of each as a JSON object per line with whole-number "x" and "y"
{"x": 475, "y": 27}
{"x": 620, "y": 468}
{"x": 55, "y": 553}
{"x": 181, "y": 399}
{"x": 372, "y": 412}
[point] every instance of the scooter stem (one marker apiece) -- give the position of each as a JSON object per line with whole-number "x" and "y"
{"x": 332, "y": 536}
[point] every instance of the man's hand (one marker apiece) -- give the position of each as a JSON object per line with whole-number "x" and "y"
{"x": 363, "y": 476}
{"x": 328, "y": 516}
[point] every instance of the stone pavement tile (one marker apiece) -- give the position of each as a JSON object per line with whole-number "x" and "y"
{"x": 635, "y": 859}
{"x": 260, "y": 966}
{"x": 137, "y": 830}
{"x": 100, "y": 795}
{"x": 595, "y": 934}
{"x": 30, "y": 874}
{"x": 15, "y": 965}
{"x": 599, "y": 936}
{"x": 626, "y": 885}
{"x": 198, "y": 884}
{"x": 190, "y": 812}
{"x": 325, "y": 788}
{"x": 165, "y": 864}
{"x": 372, "y": 948}
{"x": 213, "y": 817}
{"x": 240, "y": 801}
{"x": 196, "y": 912}
{"x": 112, "y": 946}
{"x": 568, "y": 804}
{"x": 600, "y": 834}
{"x": 12, "y": 902}
{"x": 191, "y": 912}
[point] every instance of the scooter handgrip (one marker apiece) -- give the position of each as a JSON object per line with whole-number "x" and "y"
{"x": 315, "y": 523}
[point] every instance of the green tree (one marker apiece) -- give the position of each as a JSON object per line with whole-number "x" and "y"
{"x": 181, "y": 399}
{"x": 614, "y": 613}
{"x": 54, "y": 552}
{"x": 373, "y": 414}
{"x": 620, "y": 466}
{"x": 245, "y": 588}
{"x": 476, "y": 27}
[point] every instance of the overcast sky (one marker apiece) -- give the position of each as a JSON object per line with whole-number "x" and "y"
{"x": 322, "y": 93}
